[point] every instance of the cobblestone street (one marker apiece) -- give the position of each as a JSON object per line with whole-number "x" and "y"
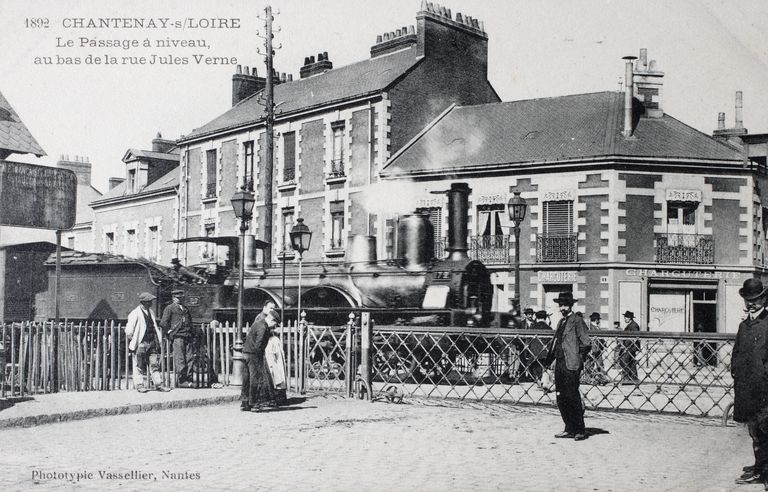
{"x": 337, "y": 444}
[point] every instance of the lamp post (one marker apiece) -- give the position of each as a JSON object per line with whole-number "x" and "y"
{"x": 516, "y": 208}
{"x": 242, "y": 204}
{"x": 300, "y": 239}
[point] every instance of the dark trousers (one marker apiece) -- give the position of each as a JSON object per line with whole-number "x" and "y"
{"x": 628, "y": 365}
{"x": 183, "y": 357}
{"x": 568, "y": 397}
{"x": 759, "y": 445}
{"x": 257, "y": 389}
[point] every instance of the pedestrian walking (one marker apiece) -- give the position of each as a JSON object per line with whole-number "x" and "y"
{"x": 750, "y": 378}
{"x": 536, "y": 351}
{"x": 628, "y": 350}
{"x": 258, "y": 391}
{"x": 144, "y": 338}
{"x": 568, "y": 349}
{"x": 177, "y": 322}
{"x": 594, "y": 368}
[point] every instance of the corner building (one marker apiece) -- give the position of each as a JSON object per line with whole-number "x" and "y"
{"x": 335, "y": 128}
{"x": 628, "y": 207}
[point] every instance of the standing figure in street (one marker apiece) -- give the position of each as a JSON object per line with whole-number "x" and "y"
{"x": 628, "y": 349}
{"x": 258, "y": 390}
{"x": 750, "y": 378}
{"x": 528, "y": 322}
{"x": 568, "y": 350}
{"x": 594, "y": 368}
{"x": 177, "y": 323}
{"x": 144, "y": 338}
{"x": 537, "y": 347}
{"x": 276, "y": 363}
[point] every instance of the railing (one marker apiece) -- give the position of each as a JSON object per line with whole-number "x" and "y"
{"x": 289, "y": 174}
{"x": 685, "y": 248}
{"x": 646, "y": 372}
{"x": 337, "y": 169}
{"x": 556, "y": 248}
{"x": 210, "y": 190}
{"x": 488, "y": 249}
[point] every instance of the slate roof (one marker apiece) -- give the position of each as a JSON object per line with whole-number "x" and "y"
{"x": 358, "y": 79}
{"x": 14, "y": 135}
{"x": 148, "y": 154}
{"x": 167, "y": 181}
{"x": 548, "y": 130}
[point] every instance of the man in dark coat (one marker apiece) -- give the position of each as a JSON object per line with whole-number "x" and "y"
{"x": 568, "y": 349}
{"x": 258, "y": 390}
{"x": 750, "y": 378}
{"x": 594, "y": 370}
{"x": 628, "y": 349}
{"x": 177, "y": 323}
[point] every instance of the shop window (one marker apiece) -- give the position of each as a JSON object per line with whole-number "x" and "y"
{"x": 289, "y": 156}
{"x": 248, "y": 165}
{"x": 337, "y": 225}
{"x": 210, "y": 183}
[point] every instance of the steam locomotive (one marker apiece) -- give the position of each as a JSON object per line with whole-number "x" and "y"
{"x": 414, "y": 288}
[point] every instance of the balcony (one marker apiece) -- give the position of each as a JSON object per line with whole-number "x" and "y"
{"x": 337, "y": 169}
{"x": 488, "y": 249}
{"x": 685, "y": 248}
{"x": 210, "y": 190}
{"x": 289, "y": 174}
{"x": 556, "y": 248}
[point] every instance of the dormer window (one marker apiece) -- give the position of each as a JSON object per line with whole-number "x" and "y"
{"x": 131, "y": 181}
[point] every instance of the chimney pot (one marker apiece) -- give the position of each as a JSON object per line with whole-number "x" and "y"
{"x": 652, "y": 66}
{"x": 398, "y": 33}
{"x": 448, "y": 11}
{"x": 325, "y": 55}
{"x": 306, "y": 60}
{"x": 411, "y": 29}
{"x": 721, "y": 121}
{"x": 239, "y": 69}
{"x": 739, "y": 110}
{"x": 282, "y": 77}
{"x": 290, "y": 77}
{"x": 312, "y": 59}
{"x": 386, "y": 36}
{"x": 643, "y": 57}
{"x": 378, "y": 39}
{"x": 628, "y": 93}
{"x": 459, "y": 19}
{"x": 424, "y": 5}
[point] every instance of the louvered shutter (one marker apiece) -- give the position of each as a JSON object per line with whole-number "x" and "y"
{"x": 558, "y": 218}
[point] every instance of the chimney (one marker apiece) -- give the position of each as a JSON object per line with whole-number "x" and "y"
{"x": 628, "y": 91}
{"x": 649, "y": 83}
{"x": 721, "y": 121}
{"x": 159, "y": 144}
{"x": 81, "y": 166}
{"x": 439, "y": 33}
{"x": 386, "y": 43}
{"x": 739, "y": 111}
{"x": 246, "y": 84}
{"x": 114, "y": 181}
{"x": 312, "y": 67}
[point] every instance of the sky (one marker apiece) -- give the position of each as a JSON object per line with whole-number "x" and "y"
{"x": 708, "y": 49}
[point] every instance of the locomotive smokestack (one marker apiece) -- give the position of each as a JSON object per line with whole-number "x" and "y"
{"x": 458, "y": 206}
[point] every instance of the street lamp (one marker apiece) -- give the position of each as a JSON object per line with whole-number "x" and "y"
{"x": 300, "y": 239}
{"x": 516, "y": 208}
{"x": 242, "y": 204}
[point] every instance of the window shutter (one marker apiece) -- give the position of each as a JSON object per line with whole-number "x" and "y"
{"x": 435, "y": 215}
{"x": 558, "y": 218}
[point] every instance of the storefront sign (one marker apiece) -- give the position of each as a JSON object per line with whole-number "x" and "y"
{"x": 683, "y": 195}
{"x": 698, "y": 274}
{"x": 555, "y": 196}
{"x": 666, "y": 312}
{"x": 552, "y": 277}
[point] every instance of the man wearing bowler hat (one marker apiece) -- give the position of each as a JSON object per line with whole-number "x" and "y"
{"x": 144, "y": 337}
{"x": 177, "y": 322}
{"x": 568, "y": 349}
{"x": 750, "y": 378}
{"x": 628, "y": 350}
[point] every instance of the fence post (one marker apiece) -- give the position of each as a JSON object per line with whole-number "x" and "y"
{"x": 366, "y": 355}
{"x": 349, "y": 371}
{"x": 302, "y": 352}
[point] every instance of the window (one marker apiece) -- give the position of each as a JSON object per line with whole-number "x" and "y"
{"x": 248, "y": 161}
{"x": 131, "y": 181}
{"x": 337, "y": 225}
{"x": 109, "y": 242}
{"x": 681, "y": 214}
{"x": 289, "y": 156}
{"x": 210, "y": 185}
{"x": 288, "y": 221}
{"x": 337, "y": 164}
{"x": 391, "y": 232}
{"x": 209, "y": 249}
{"x": 435, "y": 215}
{"x": 153, "y": 243}
{"x": 489, "y": 220}
{"x": 557, "y": 218}
{"x": 130, "y": 243}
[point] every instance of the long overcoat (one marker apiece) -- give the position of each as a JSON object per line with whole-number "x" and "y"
{"x": 749, "y": 369}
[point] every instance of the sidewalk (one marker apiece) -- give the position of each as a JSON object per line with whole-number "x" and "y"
{"x": 32, "y": 410}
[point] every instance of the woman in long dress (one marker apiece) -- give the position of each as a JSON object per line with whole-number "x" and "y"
{"x": 276, "y": 362}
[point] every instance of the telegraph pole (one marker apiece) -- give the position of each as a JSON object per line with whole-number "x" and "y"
{"x": 270, "y": 123}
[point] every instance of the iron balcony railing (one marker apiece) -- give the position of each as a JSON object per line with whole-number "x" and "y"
{"x": 685, "y": 248}
{"x": 488, "y": 249}
{"x": 556, "y": 248}
{"x": 289, "y": 174}
{"x": 337, "y": 168}
{"x": 210, "y": 190}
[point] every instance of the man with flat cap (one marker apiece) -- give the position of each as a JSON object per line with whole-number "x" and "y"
{"x": 568, "y": 350}
{"x": 750, "y": 378}
{"x": 177, "y": 322}
{"x": 144, "y": 338}
{"x": 628, "y": 350}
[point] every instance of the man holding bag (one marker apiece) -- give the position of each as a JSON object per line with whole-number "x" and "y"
{"x": 568, "y": 349}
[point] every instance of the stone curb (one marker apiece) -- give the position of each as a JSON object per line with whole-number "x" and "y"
{"x": 52, "y": 418}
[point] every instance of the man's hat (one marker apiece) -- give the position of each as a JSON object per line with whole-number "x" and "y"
{"x": 542, "y": 314}
{"x": 565, "y": 298}
{"x": 752, "y": 289}
{"x": 177, "y": 292}
{"x": 594, "y": 315}
{"x": 146, "y": 297}
{"x": 629, "y": 314}
{"x": 528, "y": 311}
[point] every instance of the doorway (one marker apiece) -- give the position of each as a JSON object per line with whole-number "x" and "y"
{"x": 705, "y": 321}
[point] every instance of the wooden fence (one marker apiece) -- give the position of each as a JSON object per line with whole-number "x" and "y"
{"x": 94, "y": 356}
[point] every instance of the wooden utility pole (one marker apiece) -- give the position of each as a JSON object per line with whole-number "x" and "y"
{"x": 270, "y": 130}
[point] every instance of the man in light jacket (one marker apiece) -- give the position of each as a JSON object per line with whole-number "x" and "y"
{"x": 568, "y": 349}
{"x": 144, "y": 338}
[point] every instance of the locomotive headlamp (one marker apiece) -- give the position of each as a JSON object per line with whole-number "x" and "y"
{"x": 517, "y": 207}
{"x": 242, "y": 203}
{"x": 300, "y": 236}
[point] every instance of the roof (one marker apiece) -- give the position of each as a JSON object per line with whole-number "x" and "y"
{"x": 132, "y": 154}
{"x": 168, "y": 181}
{"x": 351, "y": 81}
{"x": 14, "y": 135}
{"x": 548, "y": 130}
